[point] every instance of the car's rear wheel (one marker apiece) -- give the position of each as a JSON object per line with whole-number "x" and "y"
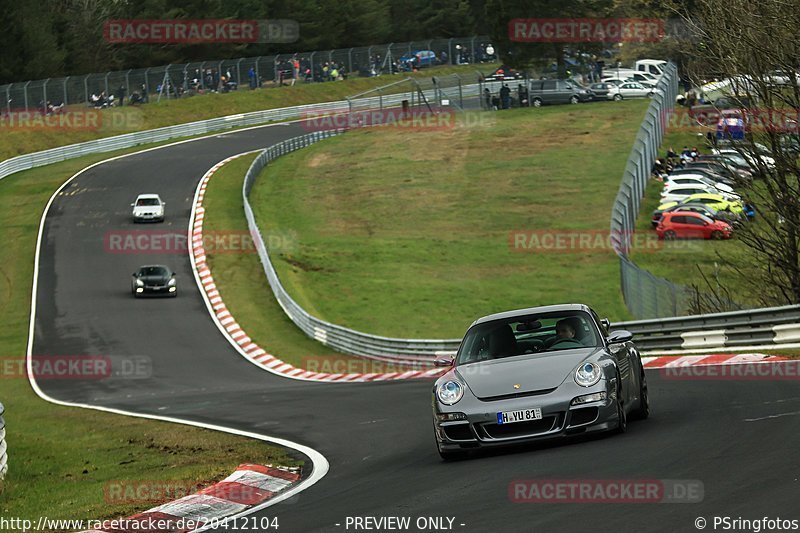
{"x": 574, "y": 99}
{"x": 669, "y": 235}
{"x": 617, "y": 97}
{"x": 716, "y": 235}
{"x": 622, "y": 424}
{"x": 643, "y": 411}
{"x": 537, "y": 102}
{"x": 622, "y": 418}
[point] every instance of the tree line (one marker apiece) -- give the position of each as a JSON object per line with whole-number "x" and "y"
{"x": 54, "y": 38}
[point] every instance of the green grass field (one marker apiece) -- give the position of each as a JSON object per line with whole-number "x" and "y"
{"x": 61, "y": 459}
{"x": 241, "y": 281}
{"x": 409, "y": 233}
{"x": 115, "y": 121}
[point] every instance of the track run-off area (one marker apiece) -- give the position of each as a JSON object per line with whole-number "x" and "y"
{"x": 734, "y": 436}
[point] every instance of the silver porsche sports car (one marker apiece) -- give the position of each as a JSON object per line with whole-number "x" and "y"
{"x": 537, "y": 373}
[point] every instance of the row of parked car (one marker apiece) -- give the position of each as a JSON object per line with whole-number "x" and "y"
{"x": 617, "y": 85}
{"x": 699, "y": 199}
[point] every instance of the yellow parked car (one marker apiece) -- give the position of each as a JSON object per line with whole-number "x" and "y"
{"x": 714, "y": 201}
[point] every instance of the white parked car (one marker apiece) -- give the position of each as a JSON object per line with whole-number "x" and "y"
{"x": 148, "y": 208}
{"x": 760, "y": 157}
{"x": 631, "y": 89}
{"x": 679, "y": 192}
{"x": 697, "y": 179}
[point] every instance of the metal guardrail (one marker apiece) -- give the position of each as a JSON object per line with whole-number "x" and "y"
{"x": 337, "y": 337}
{"x": 3, "y": 446}
{"x": 738, "y": 328}
{"x": 128, "y": 140}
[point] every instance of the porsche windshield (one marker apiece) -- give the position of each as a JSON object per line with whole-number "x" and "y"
{"x": 528, "y": 334}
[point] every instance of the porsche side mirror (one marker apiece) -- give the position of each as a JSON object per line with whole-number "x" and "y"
{"x": 443, "y": 362}
{"x": 606, "y": 323}
{"x": 619, "y": 336}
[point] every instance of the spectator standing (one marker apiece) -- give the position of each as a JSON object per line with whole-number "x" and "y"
{"x": 251, "y": 75}
{"x": 505, "y": 96}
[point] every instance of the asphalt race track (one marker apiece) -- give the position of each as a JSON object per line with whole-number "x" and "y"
{"x": 378, "y": 436}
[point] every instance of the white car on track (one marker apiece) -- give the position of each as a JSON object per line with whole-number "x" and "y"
{"x": 148, "y": 208}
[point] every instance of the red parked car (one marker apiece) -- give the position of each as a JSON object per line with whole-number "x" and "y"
{"x": 688, "y": 225}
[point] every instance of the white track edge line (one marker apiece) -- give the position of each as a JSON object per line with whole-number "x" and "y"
{"x": 319, "y": 462}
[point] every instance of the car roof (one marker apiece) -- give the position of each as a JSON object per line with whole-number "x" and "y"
{"x": 708, "y": 196}
{"x": 683, "y": 213}
{"x": 145, "y": 196}
{"x": 533, "y": 310}
{"x": 692, "y": 175}
{"x": 155, "y": 266}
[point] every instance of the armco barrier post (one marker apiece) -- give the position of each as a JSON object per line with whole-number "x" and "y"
{"x": 3, "y": 454}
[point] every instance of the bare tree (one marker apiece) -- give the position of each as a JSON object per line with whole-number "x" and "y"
{"x": 754, "y": 46}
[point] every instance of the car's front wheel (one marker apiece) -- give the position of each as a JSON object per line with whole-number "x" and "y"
{"x": 617, "y": 97}
{"x": 574, "y": 99}
{"x": 669, "y": 235}
{"x": 537, "y": 102}
{"x": 452, "y": 456}
{"x": 716, "y": 235}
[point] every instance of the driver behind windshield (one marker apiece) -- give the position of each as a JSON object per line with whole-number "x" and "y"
{"x": 565, "y": 329}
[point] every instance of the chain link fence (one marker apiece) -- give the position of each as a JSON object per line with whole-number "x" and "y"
{"x": 646, "y": 295}
{"x": 172, "y": 81}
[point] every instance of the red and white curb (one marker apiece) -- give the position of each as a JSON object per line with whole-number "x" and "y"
{"x": 710, "y": 359}
{"x": 238, "y": 337}
{"x": 258, "y": 356}
{"x": 249, "y": 486}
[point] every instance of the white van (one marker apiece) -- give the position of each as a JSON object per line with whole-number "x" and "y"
{"x": 619, "y": 73}
{"x": 651, "y": 66}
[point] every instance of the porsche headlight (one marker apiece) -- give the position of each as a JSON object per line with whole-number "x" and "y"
{"x": 171, "y": 282}
{"x": 450, "y": 392}
{"x": 587, "y": 374}
{"x": 139, "y": 283}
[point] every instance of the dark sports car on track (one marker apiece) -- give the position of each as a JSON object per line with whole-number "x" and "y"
{"x": 537, "y": 373}
{"x": 154, "y": 280}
